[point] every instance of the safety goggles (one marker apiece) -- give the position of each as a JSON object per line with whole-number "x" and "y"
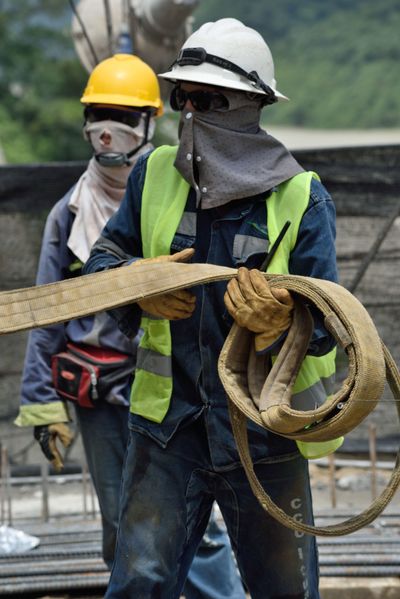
{"x": 201, "y": 100}
{"x": 99, "y": 113}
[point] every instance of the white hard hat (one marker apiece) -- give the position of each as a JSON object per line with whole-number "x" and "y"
{"x": 228, "y": 54}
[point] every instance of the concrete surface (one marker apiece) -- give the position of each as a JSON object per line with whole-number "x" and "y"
{"x": 360, "y": 588}
{"x": 297, "y": 138}
{"x": 330, "y": 588}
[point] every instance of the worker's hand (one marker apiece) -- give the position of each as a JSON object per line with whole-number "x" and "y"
{"x": 171, "y": 306}
{"x": 175, "y": 305}
{"x": 182, "y": 256}
{"x": 254, "y": 305}
{"x": 47, "y": 435}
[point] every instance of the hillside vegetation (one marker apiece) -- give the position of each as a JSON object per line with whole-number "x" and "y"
{"x": 41, "y": 81}
{"x": 338, "y": 60}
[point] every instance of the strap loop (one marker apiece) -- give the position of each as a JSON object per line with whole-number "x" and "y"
{"x": 370, "y": 362}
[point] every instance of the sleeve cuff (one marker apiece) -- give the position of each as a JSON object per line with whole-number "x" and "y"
{"x": 46, "y": 413}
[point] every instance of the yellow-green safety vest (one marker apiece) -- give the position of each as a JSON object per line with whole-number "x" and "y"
{"x": 164, "y": 199}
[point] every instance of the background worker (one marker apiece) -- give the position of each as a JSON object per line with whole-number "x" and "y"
{"x": 220, "y": 197}
{"x": 122, "y": 101}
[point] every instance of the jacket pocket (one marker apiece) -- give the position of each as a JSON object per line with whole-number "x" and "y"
{"x": 249, "y": 250}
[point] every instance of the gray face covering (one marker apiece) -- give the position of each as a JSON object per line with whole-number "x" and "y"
{"x": 225, "y": 155}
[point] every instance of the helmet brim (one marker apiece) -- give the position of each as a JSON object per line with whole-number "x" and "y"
{"x": 122, "y": 100}
{"x": 231, "y": 81}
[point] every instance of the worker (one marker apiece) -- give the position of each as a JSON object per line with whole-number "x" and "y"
{"x": 121, "y": 102}
{"x": 222, "y": 196}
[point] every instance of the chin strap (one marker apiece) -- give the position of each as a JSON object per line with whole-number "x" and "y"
{"x": 114, "y": 159}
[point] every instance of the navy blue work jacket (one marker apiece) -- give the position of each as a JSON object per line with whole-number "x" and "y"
{"x": 233, "y": 235}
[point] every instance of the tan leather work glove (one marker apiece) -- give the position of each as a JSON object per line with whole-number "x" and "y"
{"x": 47, "y": 435}
{"x": 254, "y": 305}
{"x": 175, "y": 305}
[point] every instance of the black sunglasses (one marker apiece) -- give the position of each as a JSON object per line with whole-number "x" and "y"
{"x": 100, "y": 113}
{"x": 201, "y": 100}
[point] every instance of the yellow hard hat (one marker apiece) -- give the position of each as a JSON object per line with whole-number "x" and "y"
{"x": 123, "y": 80}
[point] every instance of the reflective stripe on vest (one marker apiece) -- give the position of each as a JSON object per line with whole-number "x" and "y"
{"x": 164, "y": 199}
{"x": 316, "y": 376}
{"x": 315, "y": 381}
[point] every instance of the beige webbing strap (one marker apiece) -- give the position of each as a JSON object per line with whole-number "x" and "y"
{"x": 347, "y": 319}
{"x": 81, "y": 296}
{"x": 239, "y": 426}
{"x": 370, "y": 363}
{"x": 355, "y": 332}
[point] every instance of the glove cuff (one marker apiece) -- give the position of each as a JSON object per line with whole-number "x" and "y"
{"x": 265, "y": 341}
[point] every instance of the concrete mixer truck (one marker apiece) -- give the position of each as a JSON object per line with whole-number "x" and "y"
{"x": 153, "y": 29}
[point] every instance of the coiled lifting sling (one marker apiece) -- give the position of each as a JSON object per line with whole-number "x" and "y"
{"x": 250, "y": 394}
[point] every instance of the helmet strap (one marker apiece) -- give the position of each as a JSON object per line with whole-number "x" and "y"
{"x": 197, "y": 56}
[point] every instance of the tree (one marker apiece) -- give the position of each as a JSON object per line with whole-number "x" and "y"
{"x": 41, "y": 82}
{"x": 337, "y": 61}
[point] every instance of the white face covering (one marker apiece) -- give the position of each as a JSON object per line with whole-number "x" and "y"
{"x": 99, "y": 191}
{"x": 112, "y": 136}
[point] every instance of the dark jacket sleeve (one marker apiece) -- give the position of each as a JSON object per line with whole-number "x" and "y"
{"x": 40, "y": 403}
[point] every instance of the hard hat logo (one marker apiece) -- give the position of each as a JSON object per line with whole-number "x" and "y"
{"x": 227, "y": 54}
